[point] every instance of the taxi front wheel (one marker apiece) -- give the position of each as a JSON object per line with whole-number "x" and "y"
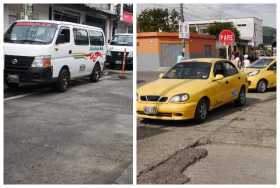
{"x": 241, "y": 100}
{"x": 201, "y": 111}
{"x": 262, "y": 86}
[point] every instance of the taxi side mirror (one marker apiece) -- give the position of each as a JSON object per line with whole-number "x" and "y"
{"x": 161, "y": 75}
{"x": 273, "y": 68}
{"x": 218, "y": 77}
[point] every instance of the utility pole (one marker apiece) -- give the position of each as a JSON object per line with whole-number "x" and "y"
{"x": 182, "y": 20}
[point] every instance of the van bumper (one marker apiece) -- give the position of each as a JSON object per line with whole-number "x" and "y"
{"x": 37, "y": 75}
{"x": 117, "y": 61}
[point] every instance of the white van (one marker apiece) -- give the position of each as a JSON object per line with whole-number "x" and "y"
{"x": 120, "y": 42}
{"x": 52, "y": 51}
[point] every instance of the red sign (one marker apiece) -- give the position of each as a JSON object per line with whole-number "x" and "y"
{"x": 227, "y": 37}
{"x": 127, "y": 17}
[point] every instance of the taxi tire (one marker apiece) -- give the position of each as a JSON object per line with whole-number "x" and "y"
{"x": 261, "y": 86}
{"x": 240, "y": 101}
{"x": 96, "y": 73}
{"x": 203, "y": 103}
{"x": 63, "y": 80}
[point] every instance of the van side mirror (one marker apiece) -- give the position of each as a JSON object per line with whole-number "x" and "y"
{"x": 109, "y": 41}
{"x": 218, "y": 77}
{"x": 60, "y": 39}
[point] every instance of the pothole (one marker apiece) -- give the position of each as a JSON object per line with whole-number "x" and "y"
{"x": 170, "y": 171}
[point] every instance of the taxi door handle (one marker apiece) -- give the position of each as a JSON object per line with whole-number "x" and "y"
{"x": 70, "y": 52}
{"x": 239, "y": 77}
{"x": 227, "y": 82}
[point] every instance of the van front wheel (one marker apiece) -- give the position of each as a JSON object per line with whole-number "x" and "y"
{"x": 63, "y": 81}
{"x": 96, "y": 73}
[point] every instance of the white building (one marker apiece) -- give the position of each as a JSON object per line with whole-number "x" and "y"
{"x": 250, "y": 28}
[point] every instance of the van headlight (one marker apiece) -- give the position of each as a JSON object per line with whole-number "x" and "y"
{"x": 130, "y": 54}
{"x": 180, "y": 98}
{"x": 254, "y": 73}
{"x": 42, "y": 61}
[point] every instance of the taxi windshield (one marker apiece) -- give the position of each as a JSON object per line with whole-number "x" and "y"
{"x": 189, "y": 70}
{"x": 30, "y": 33}
{"x": 261, "y": 63}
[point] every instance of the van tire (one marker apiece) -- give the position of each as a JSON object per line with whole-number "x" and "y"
{"x": 241, "y": 100}
{"x": 63, "y": 80}
{"x": 201, "y": 110}
{"x": 12, "y": 85}
{"x": 96, "y": 73}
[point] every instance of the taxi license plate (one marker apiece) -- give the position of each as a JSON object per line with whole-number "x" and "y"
{"x": 150, "y": 110}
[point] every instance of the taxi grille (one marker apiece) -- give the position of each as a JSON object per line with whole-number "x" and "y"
{"x": 153, "y": 98}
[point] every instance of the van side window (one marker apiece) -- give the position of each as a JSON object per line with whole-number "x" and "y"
{"x": 96, "y": 38}
{"x": 80, "y": 36}
{"x": 63, "y": 36}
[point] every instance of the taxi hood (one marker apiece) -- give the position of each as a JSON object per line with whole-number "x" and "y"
{"x": 171, "y": 87}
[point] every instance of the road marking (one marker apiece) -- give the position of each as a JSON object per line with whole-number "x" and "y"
{"x": 17, "y": 97}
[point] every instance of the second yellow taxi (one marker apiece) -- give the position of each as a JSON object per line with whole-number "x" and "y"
{"x": 190, "y": 89}
{"x": 262, "y": 74}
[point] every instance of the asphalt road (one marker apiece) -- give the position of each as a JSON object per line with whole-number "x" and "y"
{"x": 82, "y": 136}
{"x": 236, "y": 145}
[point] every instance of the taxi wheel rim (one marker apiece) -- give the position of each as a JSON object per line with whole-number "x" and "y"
{"x": 203, "y": 110}
{"x": 262, "y": 86}
{"x": 242, "y": 97}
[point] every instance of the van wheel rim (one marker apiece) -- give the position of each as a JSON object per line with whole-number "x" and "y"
{"x": 203, "y": 110}
{"x": 65, "y": 81}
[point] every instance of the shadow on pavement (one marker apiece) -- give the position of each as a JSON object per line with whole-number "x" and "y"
{"x": 154, "y": 127}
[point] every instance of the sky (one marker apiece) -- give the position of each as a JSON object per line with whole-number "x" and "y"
{"x": 266, "y": 12}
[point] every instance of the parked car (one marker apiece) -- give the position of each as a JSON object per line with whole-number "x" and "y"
{"x": 262, "y": 74}
{"x": 122, "y": 42}
{"x": 52, "y": 51}
{"x": 192, "y": 88}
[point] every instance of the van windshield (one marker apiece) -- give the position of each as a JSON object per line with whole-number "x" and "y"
{"x": 122, "y": 40}
{"x": 30, "y": 33}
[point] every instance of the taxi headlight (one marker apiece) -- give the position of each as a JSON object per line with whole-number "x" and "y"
{"x": 42, "y": 61}
{"x": 180, "y": 98}
{"x": 254, "y": 73}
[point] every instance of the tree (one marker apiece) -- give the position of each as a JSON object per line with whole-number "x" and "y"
{"x": 157, "y": 19}
{"x": 217, "y": 27}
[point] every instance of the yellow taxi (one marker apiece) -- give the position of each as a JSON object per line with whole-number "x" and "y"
{"x": 190, "y": 89}
{"x": 262, "y": 74}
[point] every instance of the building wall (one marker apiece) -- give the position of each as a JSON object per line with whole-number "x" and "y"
{"x": 155, "y": 50}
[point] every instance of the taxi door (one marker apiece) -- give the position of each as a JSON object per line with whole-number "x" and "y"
{"x": 233, "y": 81}
{"x": 218, "y": 87}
